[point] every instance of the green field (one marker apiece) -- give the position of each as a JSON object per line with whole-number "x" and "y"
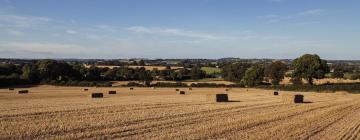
{"x": 211, "y": 70}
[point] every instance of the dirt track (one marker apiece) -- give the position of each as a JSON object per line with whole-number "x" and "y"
{"x": 69, "y": 113}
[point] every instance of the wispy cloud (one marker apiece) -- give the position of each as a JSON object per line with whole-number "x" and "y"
{"x": 275, "y": 18}
{"x": 311, "y": 12}
{"x": 269, "y": 16}
{"x": 22, "y": 21}
{"x": 71, "y": 32}
{"x": 15, "y": 33}
{"x": 139, "y": 29}
{"x": 106, "y": 28}
{"x": 41, "y": 47}
{"x": 175, "y": 32}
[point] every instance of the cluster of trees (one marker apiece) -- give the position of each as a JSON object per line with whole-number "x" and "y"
{"x": 55, "y": 72}
{"x": 256, "y": 74}
{"x": 345, "y": 71}
{"x": 308, "y": 67}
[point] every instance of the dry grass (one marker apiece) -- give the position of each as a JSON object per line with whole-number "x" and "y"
{"x": 68, "y": 113}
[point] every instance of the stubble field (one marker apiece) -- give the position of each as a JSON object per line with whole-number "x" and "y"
{"x": 49, "y": 112}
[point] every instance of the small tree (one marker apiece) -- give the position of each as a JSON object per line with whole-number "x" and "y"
{"x": 254, "y": 75}
{"x": 276, "y": 72}
{"x": 338, "y": 71}
{"x": 310, "y": 67}
{"x": 196, "y": 73}
{"x": 141, "y": 63}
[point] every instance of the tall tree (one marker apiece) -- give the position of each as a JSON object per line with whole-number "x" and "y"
{"x": 254, "y": 75}
{"x": 310, "y": 67}
{"x": 30, "y": 73}
{"x": 276, "y": 72}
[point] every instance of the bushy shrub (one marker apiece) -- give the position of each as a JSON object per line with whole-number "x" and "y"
{"x": 349, "y": 87}
{"x": 134, "y": 84}
{"x": 11, "y": 81}
{"x": 163, "y": 84}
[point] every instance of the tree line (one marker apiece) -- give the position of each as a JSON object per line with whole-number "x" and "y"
{"x": 53, "y": 72}
{"x": 307, "y": 67}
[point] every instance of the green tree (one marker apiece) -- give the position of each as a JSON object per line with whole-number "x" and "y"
{"x": 141, "y": 63}
{"x": 196, "y": 73}
{"x": 276, "y": 72}
{"x": 254, "y": 75}
{"x": 30, "y": 73}
{"x": 47, "y": 69}
{"x": 338, "y": 71}
{"x": 309, "y": 67}
{"x": 93, "y": 73}
{"x": 234, "y": 72}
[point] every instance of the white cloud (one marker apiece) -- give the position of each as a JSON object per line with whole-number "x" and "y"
{"x": 269, "y": 16}
{"x": 15, "y": 33}
{"x": 311, "y": 12}
{"x": 107, "y": 28}
{"x": 274, "y": 18}
{"x": 139, "y": 29}
{"x": 71, "y": 32}
{"x": 22, "y": 21}
{"x": 174, "y": 32}
{"x": 42, "y": 47}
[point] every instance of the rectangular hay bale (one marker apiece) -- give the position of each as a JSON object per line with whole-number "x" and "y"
{"x": 293, "y": 98}
{"x": 182, "y": 92}
{"x": 23, "y": 91}
{"x": 97, "y": 95}
{"x": 112, "y": 92}
{"x": 217, "y": 97}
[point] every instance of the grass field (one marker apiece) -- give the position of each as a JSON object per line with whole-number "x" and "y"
{"x": 211, "y": 70}
{"x": 49, "y": 112}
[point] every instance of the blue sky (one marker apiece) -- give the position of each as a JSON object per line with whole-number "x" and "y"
{"x": 179, "y": 28}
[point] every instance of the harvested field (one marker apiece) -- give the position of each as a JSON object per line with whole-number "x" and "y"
{"x": 68, "y": 113}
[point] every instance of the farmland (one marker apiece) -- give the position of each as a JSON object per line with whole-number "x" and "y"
{"x": 50, "y": 112}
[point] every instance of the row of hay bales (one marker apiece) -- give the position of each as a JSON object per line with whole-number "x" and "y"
{"x": 291, "y": 98}
{"x": 100, "y": 94}
{"x": 209, "y": 97}
{"x": 287, "y": 98}
{"x": 24, "y": 91}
